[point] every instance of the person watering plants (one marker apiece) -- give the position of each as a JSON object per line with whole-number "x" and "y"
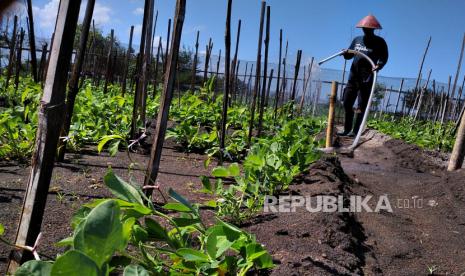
{"x": 361, "y": 73}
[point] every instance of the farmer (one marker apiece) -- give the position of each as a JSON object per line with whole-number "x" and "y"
{"x": 361, "y": 73}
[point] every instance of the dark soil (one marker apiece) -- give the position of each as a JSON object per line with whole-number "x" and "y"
{"x": 411, "y": 240}
{"x": 405, "y": 242}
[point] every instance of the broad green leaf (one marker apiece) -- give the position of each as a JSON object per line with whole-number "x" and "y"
{"x": 192, "y": 255}
{"x": 2, "y": 229}
{"x": 101, "y": 233}
{"x": 106, "y": 139}
{"x": 122, "y": 189}
{"x": 34, "y": 268}
{"x": 155, "y": 230}
{"x": 74, "y": 263}
{"x": 217, "y": 242}
{"x": 135, "y": 270}
{"x": 113, "y": 149}
{"x": 65, "y": 242}
{"x": 174, "y": 206}
{"x": 181, "y": 199}
{"x": 220, "y": 172}
{"x": 234, "y": 170}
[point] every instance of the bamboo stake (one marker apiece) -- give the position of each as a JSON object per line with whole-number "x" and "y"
{"x": 155, "y": 75}
{"x": 43, "y": 61}
{"x": 12, "y": 53}
{"x": 457, "y": 107}
{"x": 305, "y": 85}
{"x": 421, "y": 65}
{"x": 32, "y": 41}
{"x": 296, "y": 75}
{"x": 446, "y": 102}
{"x": 243, "y": 89}
{"x": 270, "y": 80}
{"x": 332, "y": 103}
{"x": 146, "y": 60}
{"x": 165, "y": 101}
{"x": 420, "y": 101}
{"x": 284, "y": 82}
{"x": 137, "y": 95}
{"x": 249, "y": 83}
{"x": 50, "y": 120}
{"x": 168, "y": 37}
{"x": 400, "y": 94}
{"x": 459, "y": 66}
{"x": 18, "y": 58}
{"x": 218, "y": 63}
{"x": 458, "y": 153}
{"x": 209, "y": 49}
{"x": 265, "y": 70}
{"x": 234, "y": 62}
{"x": 257, "y": 74}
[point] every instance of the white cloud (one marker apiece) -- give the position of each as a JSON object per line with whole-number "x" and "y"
{"x": 138, "y": 11}
{"x": 46, "y": 15}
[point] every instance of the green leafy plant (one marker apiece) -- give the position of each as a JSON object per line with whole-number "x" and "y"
{"x": 129, "y": 234}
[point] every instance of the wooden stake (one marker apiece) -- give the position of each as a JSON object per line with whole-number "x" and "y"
{"x": 32, "y": 41}
{"x": 50, "y": 120}
{"x": 165, "y": 101}
{"x": 279, "y": 74}
{"x": 194, "y": 64}
{"x": 227, "y": 77}
{"x": 257, "y": 74}
{"x": 109, "y": 56}
{"x": 296, "y": 75}
{"x": 73, "y": 88}
{"x": 126, "y": 62}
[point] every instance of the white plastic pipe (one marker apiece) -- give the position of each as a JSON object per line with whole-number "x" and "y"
{"x": 370, "y": 100}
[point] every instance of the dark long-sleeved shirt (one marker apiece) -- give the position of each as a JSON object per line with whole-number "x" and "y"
{"x": 373, "y": 46}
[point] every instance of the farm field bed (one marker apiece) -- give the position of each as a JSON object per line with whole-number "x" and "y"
{"x": 325, "y": 244}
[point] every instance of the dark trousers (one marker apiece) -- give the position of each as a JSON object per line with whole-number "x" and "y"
{"x": 357, "y": 87}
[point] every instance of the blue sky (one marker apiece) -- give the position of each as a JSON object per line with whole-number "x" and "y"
{"x": 319, "y": 28}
